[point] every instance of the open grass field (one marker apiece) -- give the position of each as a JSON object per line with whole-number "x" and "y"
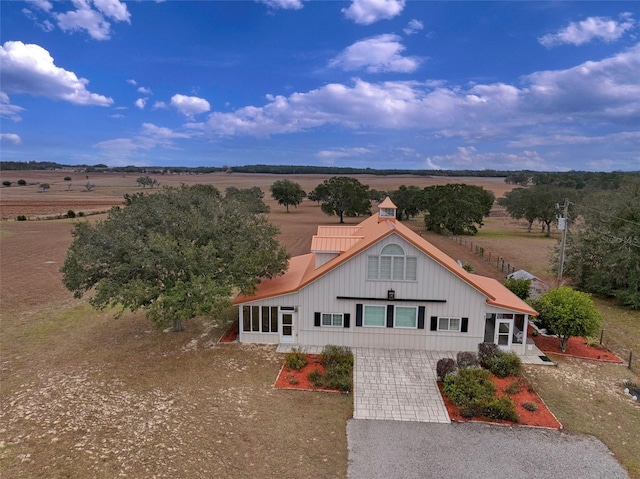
{"x": 87, "y": 395}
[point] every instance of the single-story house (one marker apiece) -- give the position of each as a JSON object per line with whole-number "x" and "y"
{"x": 379, "y": 284}
{"x": 537, "y": 287}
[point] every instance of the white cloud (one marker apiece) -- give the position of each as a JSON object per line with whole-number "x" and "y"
{"x": 93, "y": 21}
{"x": 414, "y": 26}
{"x": 149, "y": 137}
{"x": 140, "y": 103}
{"x": 113, "y": 9}
{"x": 11, "y": 137}
{"x": 190, "y": 105}
{"x": 41, "y": 4}
{"x": 468, "y": 157}
{"x": 578, "y": 33}
{"x": 382, "y": 53}
{"x": 131, "y": 81}
{"x": 366, "y": 12}
{"x": 528, "y": 141}
{"x": 160, "y": 105}
{"x": 596, "y": 92}
{"x": 145, "y": 90}
{"x": 7, "y": 110}
{"x": 283, "y": 4}
{"x": 330, "y": 156}
{"x": 29, "y": 68}
{"x": 117, "y": 116}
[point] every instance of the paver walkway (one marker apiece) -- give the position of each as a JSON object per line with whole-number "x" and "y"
{"x": 398, "y": 384}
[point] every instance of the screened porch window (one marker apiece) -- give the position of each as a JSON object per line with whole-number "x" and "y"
{"x": 260, "y": 319}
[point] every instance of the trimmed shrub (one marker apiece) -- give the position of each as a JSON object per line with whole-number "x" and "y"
{"x": 444, "y": 367}
{"x": 486, "y": 353}
{"x": 316, "y": 378}
{"x": 335, "y": 354}
{"x": 506, "y": 365}
{"x": 512, "y": 388}
{"x": 469, "y": 385}
{"x": 501, "y": 408}
{"x": 467, "y": 359}
{"x": 295, "y": 359}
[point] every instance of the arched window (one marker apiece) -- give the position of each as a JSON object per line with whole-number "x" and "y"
{"x": 392, "y": 264}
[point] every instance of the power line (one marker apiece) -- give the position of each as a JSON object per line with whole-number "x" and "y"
{"x": 605, "y": 214}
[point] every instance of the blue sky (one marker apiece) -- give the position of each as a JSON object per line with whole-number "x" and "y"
{"x": 364, "y": 83}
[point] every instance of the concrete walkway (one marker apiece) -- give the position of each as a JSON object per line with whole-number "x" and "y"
{"x": 398, "y": 384}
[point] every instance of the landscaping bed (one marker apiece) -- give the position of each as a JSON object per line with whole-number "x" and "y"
{"x": 577, "y": 347}
{"x": 489, "y": 386}
{"x": 540, "y": 417}
{"x": 330, "y": 371}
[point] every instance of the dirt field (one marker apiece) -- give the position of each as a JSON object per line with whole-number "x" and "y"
{"x": 84, "y": 394}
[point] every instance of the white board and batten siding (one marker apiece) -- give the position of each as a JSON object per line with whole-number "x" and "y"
{"x": 433, "y": 282}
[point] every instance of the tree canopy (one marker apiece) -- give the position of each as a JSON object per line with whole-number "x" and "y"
{"x": 287, "y": 192}
{"x": 538, "y": 202}
{"x": 567, "y": 312}
{"x": 176, "y": 254}
{"x": 409, "y": 200}
{"x": 602, "y": 254}
{"x": 456, "y": 208}
{"x": 342, "y": 195}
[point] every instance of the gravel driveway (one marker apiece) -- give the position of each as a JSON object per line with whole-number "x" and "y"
{"x": 407, "y": 450}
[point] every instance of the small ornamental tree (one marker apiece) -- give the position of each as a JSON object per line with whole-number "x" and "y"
{"x": 287, "y": 192}
{"x": 177, "y": 254}
{"x": 518, "y": 286}
{"x": 568, "y": 313}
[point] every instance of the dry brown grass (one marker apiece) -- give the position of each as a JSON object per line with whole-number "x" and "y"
{"x": 86, "y": 395}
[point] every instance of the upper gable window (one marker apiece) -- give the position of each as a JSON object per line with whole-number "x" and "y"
{"x": 393, "y": 264}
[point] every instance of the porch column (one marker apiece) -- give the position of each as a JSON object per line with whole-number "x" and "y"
{"x": 240, "y": 323}
{"x": 525, "y": 334}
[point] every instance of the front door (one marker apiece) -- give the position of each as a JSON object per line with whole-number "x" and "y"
{"x": 504, "y": 333}
{"x": 287, "y": 320}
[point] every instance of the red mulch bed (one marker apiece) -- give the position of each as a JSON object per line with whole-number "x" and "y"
{"x": 297, "y": 379}
{"x": 231, "y": 334}
{"x": 542, "y": 417}
{"x": 576, "y": 347}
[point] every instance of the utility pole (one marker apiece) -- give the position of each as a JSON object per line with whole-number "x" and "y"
{"x": 563, "y": 224}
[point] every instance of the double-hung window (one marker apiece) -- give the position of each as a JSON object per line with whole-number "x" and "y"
{"x": 393, "y": 264}
{"x": 449, "y": 324}
{"x": 332, "y": 320}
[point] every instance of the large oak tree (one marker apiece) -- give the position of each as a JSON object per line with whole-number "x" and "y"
{"x": 342, "y": 195}
{"x": 287, "y": 192}
{"x": 176, "y": 254}
{"x": 456, "y": 208}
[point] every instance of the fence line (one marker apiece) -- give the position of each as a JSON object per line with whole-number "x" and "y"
{"x": 498, "y": 262}
{"x": 631, "y": 360}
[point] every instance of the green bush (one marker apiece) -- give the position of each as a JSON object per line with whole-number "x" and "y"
{"x": 501, "y": 408}
{"x": 6, "y": 183}
{"x": 295, "y": 359}
{"x": 22, "y": 182}
{"x": 519, "y": 287}
{"x": 513, "y": 387}
{"x": 530, "y": 406}
{"x": 21, "y": 218}
{"x": 469, "y": 385}
{"x": 486, "y": 353}
{"x": 467, "y": 359}
{"x": 81, "y": 214}
{"x": 71, "y": 214}
{"x": 506, "y": 365}
{"x": 316, "y": 378}
{"x": 338, "y": 365}
{"x": 444, "y": 367}
{"x": 335, "y": 354}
